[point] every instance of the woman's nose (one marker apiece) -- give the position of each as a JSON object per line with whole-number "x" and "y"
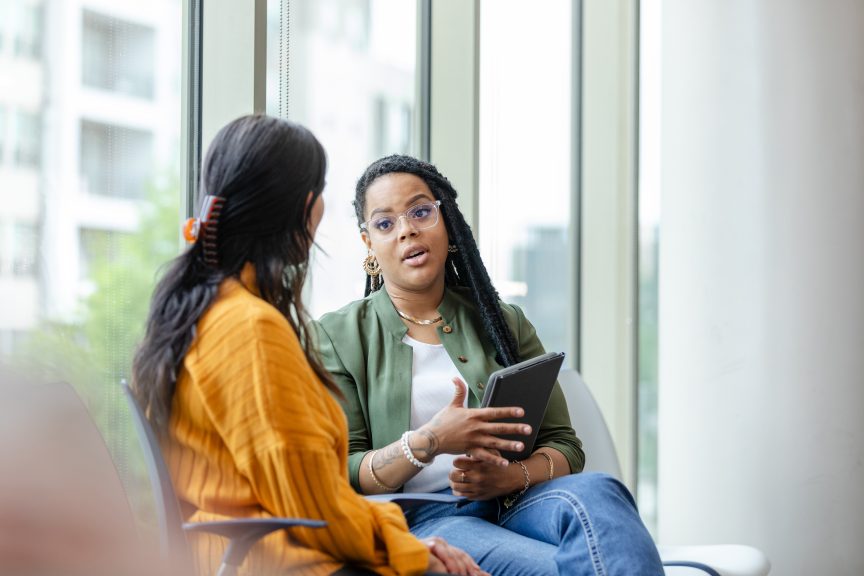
{"x": 407, "y": 228}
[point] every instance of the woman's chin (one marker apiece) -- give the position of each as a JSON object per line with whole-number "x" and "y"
{"x": 418, "y": 281}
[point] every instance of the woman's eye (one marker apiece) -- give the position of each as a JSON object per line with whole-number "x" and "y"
{"x": 421, "y": 212}
{"x": 382, "y": 224}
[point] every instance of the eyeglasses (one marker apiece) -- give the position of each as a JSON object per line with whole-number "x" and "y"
{"x": 419, "y": 217}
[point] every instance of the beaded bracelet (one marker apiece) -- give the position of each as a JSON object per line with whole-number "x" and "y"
{"x": 375, "y": 478}
{"x": 551, "y": 464}
{"x": 406, "y": 449}
{"x": 511, "y": 499}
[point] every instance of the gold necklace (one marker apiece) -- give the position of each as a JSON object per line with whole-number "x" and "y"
{"x": 417, "y": 320}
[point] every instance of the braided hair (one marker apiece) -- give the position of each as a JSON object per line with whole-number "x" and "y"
{"x": 464, "y": 267}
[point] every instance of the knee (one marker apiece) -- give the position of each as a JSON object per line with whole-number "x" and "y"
{"x": 593, "y": 486}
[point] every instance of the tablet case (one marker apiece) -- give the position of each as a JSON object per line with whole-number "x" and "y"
{"x": 529, "y": 385}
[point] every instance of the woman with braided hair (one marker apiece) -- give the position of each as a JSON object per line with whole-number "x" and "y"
{"x": 431, "y": 321}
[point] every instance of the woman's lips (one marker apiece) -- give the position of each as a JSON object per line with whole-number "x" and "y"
{"x": 421, "y": 257}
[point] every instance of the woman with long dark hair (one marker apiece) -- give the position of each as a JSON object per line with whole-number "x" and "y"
{"x": 431, "y": 322}
{"x": 227, "y": 374}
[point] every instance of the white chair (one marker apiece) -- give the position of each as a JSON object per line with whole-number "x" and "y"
{"x": 590, "y": 426}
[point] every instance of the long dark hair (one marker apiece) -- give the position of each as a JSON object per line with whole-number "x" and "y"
{"x": 464, "y": 267}
{"x": 264, "y": 168}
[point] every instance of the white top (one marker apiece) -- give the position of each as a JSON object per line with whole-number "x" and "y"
{"x": 432, "y": 389}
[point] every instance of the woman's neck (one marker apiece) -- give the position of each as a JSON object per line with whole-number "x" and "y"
{"x": 417, "y": 304}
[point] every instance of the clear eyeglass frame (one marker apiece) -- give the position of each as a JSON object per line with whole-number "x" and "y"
{"x": 411, "y": 216}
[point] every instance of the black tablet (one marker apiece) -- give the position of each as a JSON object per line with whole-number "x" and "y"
{"x": 528, "y": 385}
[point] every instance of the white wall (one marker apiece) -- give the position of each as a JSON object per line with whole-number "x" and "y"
{"x": 761, "y": 413}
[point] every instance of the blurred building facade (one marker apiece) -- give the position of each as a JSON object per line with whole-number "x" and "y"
{"x": 88, "y": 91}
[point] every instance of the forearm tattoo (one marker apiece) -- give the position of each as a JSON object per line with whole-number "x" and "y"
{"x": 388, "y": 455}
{"x": 432, "y": 449}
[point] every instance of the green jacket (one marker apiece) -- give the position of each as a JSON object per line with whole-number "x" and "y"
{"x": 361, "y": 346}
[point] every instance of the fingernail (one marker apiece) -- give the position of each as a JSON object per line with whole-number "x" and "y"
{"x": 526, "y": 429}
{"x": 518, "y": 447}
{"x": 520, "y": 412}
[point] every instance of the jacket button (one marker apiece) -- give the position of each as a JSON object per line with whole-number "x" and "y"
{"x": 447, "y": 329}
{"x": 462, "y": 359}
{"x": 481, "y": 385}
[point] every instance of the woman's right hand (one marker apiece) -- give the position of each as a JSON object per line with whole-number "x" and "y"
{"x": 456, "y": 429}
{"x": 448, "y": 559}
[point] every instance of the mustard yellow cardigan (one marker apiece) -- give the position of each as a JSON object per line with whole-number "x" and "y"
{"x": 253, "y": 433}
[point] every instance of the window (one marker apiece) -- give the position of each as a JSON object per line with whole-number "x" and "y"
{"x": 4, "y": 23}
{"x": 526, "y": 181}
{"x": 5, "y": 248}
{"x": 78, "y": 259}
{"x": 96, "y": 247}
{"x": 392, "y": 127}
{"x": 650, "y": 212}
{"x": 118, "y": 56}
{"x": 27, "y": 139}
{"x": 25, "y": 246}
{"x": 11, "y": 341}
{"x": 351, "y": 80}
{"x": 2, "y": 129}
{"x": 27, "y": 29}
{"x": 115, "y": 161}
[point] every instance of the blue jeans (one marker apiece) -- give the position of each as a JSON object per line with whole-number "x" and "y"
{"x": 581, "y": 524}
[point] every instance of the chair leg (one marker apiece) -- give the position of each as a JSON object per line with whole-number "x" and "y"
{"x": 705, "y": 569}
{"x": 227, "y": 570}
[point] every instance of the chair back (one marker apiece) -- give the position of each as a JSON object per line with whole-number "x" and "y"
{"x": 589, "y": 424}
{"x": 63, "y": 506}
{"x": 172, "y": 540}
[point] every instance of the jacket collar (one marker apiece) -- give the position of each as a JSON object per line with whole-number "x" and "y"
{"x": 386, "y": 312}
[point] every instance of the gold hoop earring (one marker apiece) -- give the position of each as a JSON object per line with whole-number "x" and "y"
{"x": 371, "y": 266}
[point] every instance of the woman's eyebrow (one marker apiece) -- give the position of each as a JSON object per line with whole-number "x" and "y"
{"x": 377, "y": 210}
{"x": 411, "y": 201}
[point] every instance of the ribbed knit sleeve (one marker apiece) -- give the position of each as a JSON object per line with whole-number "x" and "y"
{"x": 287, "y": 437}
{"x": 359, "y": 442}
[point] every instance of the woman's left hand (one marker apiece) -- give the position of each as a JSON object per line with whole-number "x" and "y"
{"x": 450, "y": 559}
{"x": 478, "y": 480}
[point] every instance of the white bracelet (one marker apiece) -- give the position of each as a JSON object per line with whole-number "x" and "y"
{"x": 406, "y": 449}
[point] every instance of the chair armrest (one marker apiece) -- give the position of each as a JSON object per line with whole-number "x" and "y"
{"x": 725, "y": 559}
{"x": 408, "y": 500}
{"x": 242, "y": 533}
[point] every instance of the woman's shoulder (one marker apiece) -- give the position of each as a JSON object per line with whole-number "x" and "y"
{"x": 463, "y": 298}
{"x": 240, "y": 312}
{"x": 349, "y": 315}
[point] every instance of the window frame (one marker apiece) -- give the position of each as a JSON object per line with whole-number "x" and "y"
{"x": 604, "y": 157}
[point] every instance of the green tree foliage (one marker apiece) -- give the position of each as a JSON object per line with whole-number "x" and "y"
{"x": 94, "y": 352}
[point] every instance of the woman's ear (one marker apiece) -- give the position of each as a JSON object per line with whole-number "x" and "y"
{"x": 365, "y": 237}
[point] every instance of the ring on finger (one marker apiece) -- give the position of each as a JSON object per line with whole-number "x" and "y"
{"x": 462, "y": 477}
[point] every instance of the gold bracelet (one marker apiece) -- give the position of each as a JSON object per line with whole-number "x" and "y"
{"x": 375, "y": 478}
{"x": 511, "y": 499}
{"x": 551, "y": 464}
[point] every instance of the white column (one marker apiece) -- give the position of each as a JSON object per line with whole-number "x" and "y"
{"x": 761, "y": 388}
